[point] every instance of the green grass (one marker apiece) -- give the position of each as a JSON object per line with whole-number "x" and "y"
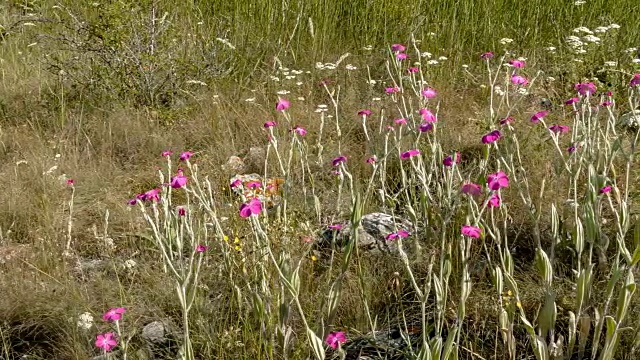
{"x": 96, "y": 92}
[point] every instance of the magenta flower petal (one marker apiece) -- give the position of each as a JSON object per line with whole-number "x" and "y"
{"x": 539, "y": 116}
{"x": 186, "y": 156}
{"x": 282, "y": 104}
{"x": 519, "y": 80}
{"x": 497, "y": 180}
{"x": 491, "y": 137}
{"x": 471, "y": 189}
{"x": 605, "y": 189}
{"x": 572, "y": 101}
{"x": 364, "y": 112}
{"x": 340, "y": 159}
{"x": 506, "y": 120}
{"x": 495, "y": 200}
{"x": 487, "y": 55}
{"x": 424, "y": 127}
{"x": 586, "y": 88}
{"x": 517, "y": 63}
{"x": 114, "y": 314}
{"x": 106, "y": 341}
{"x": 411, "y": 153}
{"x": 167, "y": 153}
{"x": 471, "y": 231}
{"x": 559, "y": 129}
{"x": 428, "y": 116}
{"x": 398, "y": 48}
{"x": 429, "y": 93}
{"x": 413, "y": 70}
{"x": 401, "y": 56}
{"x": 269, "y": 124}
{"x": 635, "y": 80}
{"x": 201, "y": 248}
{"x": 336, "y": 338}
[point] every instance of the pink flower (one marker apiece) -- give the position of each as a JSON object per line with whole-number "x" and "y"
{"x": 606, "y": 103}
{"x": 572, "y": 101}
{"x": 340, "y": 159}
{"x": 605, "y": 189}
{"x": 106, "y": 341}
{"x": 253, "y": 207}
{"x": 114, "y": 314}
{"x": 471, "y": 231}
{"x": 299, "y": 130}
{"x": 70, "y": 182}
{"x": 402, "y": 234}
{"x": 179, "y": 180}
{"x": 201, "y": 248}
{"x": 491, "y": 137}
{"x": 498, "y": 180}
{"x": 151, "y": 195}
{"x": 519, "y": 80}
{"x": 401, "y": 56}
{"x": 336, "y": 338}
{"x": 182, "y": 211}
{"x": 186, "y": 156}
{"x": 235, "y": 183}
{"x": 609, "y": 93}
{"x": 427, "y": 115}
{"x": 487, "y": 55}
{"x": 282, "y": 104}
{"x": 635, "y": 80}
{"x": 167, "y": 153}
{"x": 448, "y": 161}
{"x": 401, "y": 121}
{"x": 255, "y": 184}
{"x": 337, "y": 227}
{"x": 391, "y": 90}
{"x": 559, "y": 129}
{"x": 429, "y": 93}
{"x": 413, "y": 70}
{"x": 364, "y": 112}
{"x": 372, "y": 159}
{"x": 398, "y": 48}
{"x": 471, "y": 189}
{"x": 269, "y": 124}
{"x": 411, "y": 153}
{"x": 572, "y": 149}
{"x": 494, "y": 200}
{"x": 539, "y": 116}
{"x": 506, "y": 120}
{"x": 586, "y": 88}
{"x": 425, "y": 127}
{"x": 517, "y": 63}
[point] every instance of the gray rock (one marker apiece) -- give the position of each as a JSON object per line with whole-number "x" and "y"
{"x": 372, "y": 233}
{"x": 161, "y": 339}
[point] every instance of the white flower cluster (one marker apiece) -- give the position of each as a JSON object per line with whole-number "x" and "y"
{"x": 85, "y": 321}
{"x": 505, "y": 41}
{"x": 321, "y": 108}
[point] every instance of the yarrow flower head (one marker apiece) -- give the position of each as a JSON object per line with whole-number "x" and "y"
{"x": 400, "y": 234}
{"x": 114, "y": 314}
{"x": 408, "y": 154}
{"x": 334, "y": 339}
{"x": 497, "y": 180}
{"x": 491, "y": 137}
{"x": 471, "y": 231}
{"x": 106, "y": 341}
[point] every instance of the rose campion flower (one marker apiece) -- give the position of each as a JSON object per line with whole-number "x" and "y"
{"x": 269, "y": 124}
{"x": 494, "y": 200}
{"x": 413, "y": 70}
{"x": 334, "y": 339}
{"x": 635, "y": 80}
{"x": 401, "y": 56}
{"x": 179, "y": 181}
{"x": 487, "y": 55}
{"x": 372, "y": 159}
{"x": 449, "y": 160}
{"x": 400, "y": 234}
{"x": 391, "y": 90}
{"x": 471, "y": 231}
{"x": 408, "y": 154}
{"x": 519, "y": 80}
{"x": 517, "y": 63}
{"x": 151, "y": 195}
{"x": 471, "y": 189}
{"x": 398, "y": 48}
{"x": 572, "y": 101}
{"x": 106, "y": 341}
{"x": 606, "y": 103}
{"x": 186, "y": 156}
{"x": 364, "y": 112}
{"x": 586, "y": 88}
{"x": 539, "y": 116}
{"x": 340, "y": 159}
{"x": 429, "y": 93}
{"x": 253, "y": 207}
{"x": 167, "y": 153}
{"x": 425, "y": 127}
{"x": 507, "y": 120}
{"x": 497, "y": 180}
{"x": 605, "y": 189}
{"x": 401, "y": 121}
{"x": 114, "y": 314}
{"x": 427, "y": 115}
{"x": 182, "y": 211}
{"x": 336, "y": 227}
{"x": 201, "y": 248}
{"x": 299, "y": 130}
{"x": 282, "y": 104}
{"x": 559, "y": 129}
{"x": 491, "y": 137}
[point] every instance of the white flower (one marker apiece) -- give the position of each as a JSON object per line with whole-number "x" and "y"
{"x": 630, "y": 50}
{"x": 610, "y": 63}
{"x": 85, "y": 321}
{"x": 426, "y": 54}
{"x": 283, "y": 92}
{"x": 376, "y": 99}
{"x": 578, "y": 60}
{"x": 550, "y": 79}
{"x": 505, "y": 41}
{"x": 442, "y": 58}
{"x": 465, "y": 66}
{"x": 582, "y": 29}
{"x": 550, "y": 48}
{"x": 197, "y": 82}
{"x": 130, "y": 264}
{"x": 614, "y": 26}
{"x": 319, "y": 66}
{"x": 581, "y": 51}
{"x": 523, "y": 91}
{"x": 297, "y": 72}
{"x": 636, "y": 61}
{"x": 579, "y": 2}
{"x": 372, "y": 82}
{"x": 432, "y": 62}
{"x": 274, "y": 78}
{"x": 290, "y": 77}
{"x": 250, "y": 99}
{"x": 350, "y": 67}
{"x": 591, "y": 38}
{"x": 368, "y": 48}
{"x": 601, "y": 29}
{"x": 299, "y": 83}
{"x": 300, "y": 98}
{"x": 330, "y": 66}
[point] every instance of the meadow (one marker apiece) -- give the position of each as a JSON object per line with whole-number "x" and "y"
{"x": 319, "y": 179}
